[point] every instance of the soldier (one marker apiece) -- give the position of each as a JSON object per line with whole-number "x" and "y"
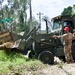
{"x": 73, "y": 46}
{"x": 67, "y": 39}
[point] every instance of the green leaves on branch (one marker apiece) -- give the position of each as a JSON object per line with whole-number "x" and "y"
{"x": 67, "y": 11}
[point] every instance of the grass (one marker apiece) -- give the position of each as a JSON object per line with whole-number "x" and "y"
{"x": 10, "y": 61}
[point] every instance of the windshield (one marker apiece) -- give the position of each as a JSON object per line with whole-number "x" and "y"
{"x": 56, "y": 25}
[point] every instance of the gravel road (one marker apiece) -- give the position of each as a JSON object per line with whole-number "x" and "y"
{"x": 59, "y": 68}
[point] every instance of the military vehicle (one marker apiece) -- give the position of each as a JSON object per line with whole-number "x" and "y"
{"x": 42, "y": 45}
{"x": 46, "y": 47}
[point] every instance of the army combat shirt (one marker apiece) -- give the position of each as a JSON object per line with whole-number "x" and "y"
{"x": 67, "y": 38}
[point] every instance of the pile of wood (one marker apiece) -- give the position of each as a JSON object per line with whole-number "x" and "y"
{"x": 5, "y": 40}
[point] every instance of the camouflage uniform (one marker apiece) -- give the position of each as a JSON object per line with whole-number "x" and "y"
{"x": 67, "y": 38}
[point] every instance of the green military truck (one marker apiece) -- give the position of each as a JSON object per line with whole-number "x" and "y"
{"x": 47, "y": 47}
{"x": 42, "y": 45}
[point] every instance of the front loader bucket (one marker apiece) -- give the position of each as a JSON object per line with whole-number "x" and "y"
{"x": 19, "y": 41}
{"x": 15, "y": 36}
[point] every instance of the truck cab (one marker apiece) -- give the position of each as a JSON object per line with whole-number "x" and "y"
{"x": 62, "y": 21}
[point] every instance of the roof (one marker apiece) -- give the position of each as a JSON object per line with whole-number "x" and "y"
{"x": 59, "y": 17}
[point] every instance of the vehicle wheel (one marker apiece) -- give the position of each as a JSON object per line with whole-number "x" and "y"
{"x": 46, "y": 57}
{"x": 73, "y": 51}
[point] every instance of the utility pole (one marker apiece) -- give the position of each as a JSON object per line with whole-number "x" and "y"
{"x": 39, "y": 20}
{"x": 30, "y": 14}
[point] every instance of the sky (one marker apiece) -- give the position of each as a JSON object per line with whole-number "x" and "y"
{"x": 50, "y": 8}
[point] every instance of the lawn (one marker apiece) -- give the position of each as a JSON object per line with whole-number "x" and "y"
{"x": 12, "y": 61}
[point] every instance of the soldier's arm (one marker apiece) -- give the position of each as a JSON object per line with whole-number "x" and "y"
{"x": 61, "y": 36}
{"x": 74, "y": 36}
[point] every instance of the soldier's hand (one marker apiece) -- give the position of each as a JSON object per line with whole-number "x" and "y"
{"x": 74, "y": 33}
{"x": 54, "y": 36}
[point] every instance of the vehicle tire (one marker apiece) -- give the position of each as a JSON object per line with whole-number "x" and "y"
{"x": 46, "y": 57}
{"x": 73, "y": 51}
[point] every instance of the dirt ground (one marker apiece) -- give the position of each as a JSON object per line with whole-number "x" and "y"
{"x": 58, "y": 68}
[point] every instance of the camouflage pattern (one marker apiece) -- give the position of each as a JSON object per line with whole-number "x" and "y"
{"x": 67, "y": 38}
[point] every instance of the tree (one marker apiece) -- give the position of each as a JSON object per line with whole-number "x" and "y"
{"x": 34, "y": 23}
{"x": 17, "y": 10}
{"x": 21, "y": 8}
{"x": 73, "y": 10}
{"x": 67, "y": 11}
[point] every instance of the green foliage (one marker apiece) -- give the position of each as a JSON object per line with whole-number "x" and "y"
{"x": 10, "y": 61}
{"x": 67, "y": 11}
{"x": 21, "y": 6}
{"x": 8, "y": 55}
{"x": 26, "y": 27}
{"x": 3, "y": 56}
{"x": 17, "y": 10}
{"x": 73, "y": 11}
{"x": 34, "y": 22}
